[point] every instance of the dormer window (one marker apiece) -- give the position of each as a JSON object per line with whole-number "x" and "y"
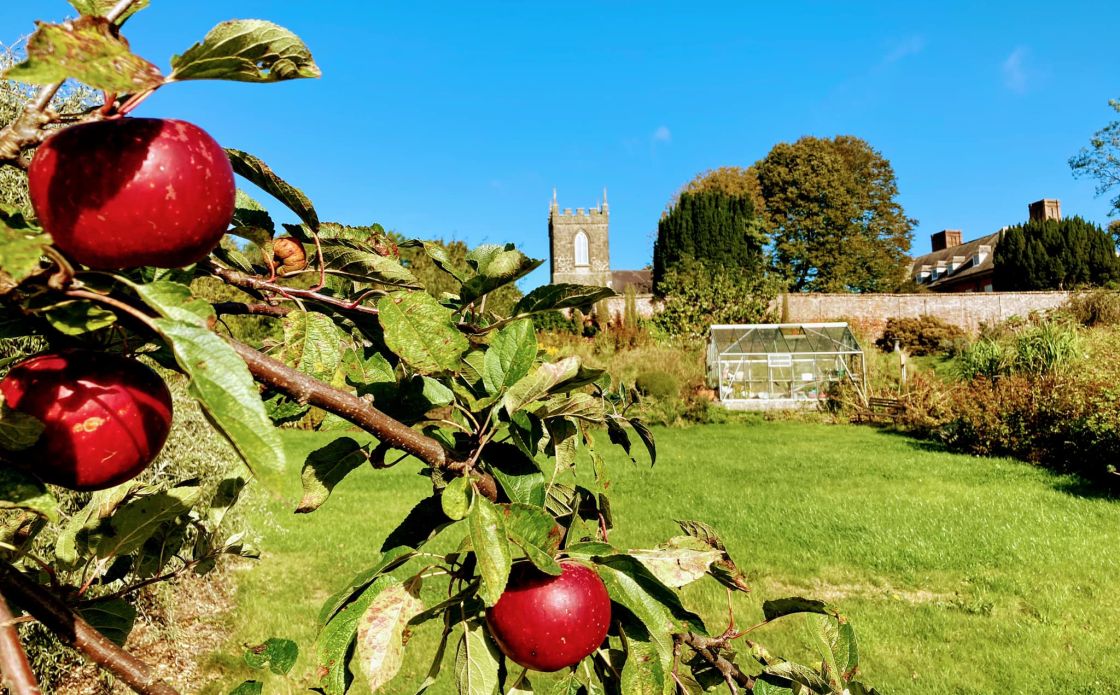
{"x": 581, "y": 249}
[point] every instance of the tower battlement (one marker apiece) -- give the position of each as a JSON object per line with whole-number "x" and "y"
{"x": 580, "y": 243}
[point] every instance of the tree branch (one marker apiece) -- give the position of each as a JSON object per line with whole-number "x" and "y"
{"x": 69, "y": 627}
{"x": 17, "y": 674}
{"x": 244, "y": 309}
{"x": 708, "y": 648}
{"x": 249, "y": 282}
{"x": 306, "y": 389}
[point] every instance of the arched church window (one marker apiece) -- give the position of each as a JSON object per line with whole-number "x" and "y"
{"x": 581, "y": 249}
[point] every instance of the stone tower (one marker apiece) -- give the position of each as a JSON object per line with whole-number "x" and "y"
{"x": 580, "y": 244}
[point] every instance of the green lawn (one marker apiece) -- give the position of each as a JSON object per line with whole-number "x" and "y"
{"x": 961, "y": 575}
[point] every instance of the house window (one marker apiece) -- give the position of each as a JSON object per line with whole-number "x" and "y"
{"x": 581, "y": 249}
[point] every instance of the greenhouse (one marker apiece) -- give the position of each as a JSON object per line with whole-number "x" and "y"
{"x": 787, "y": 365}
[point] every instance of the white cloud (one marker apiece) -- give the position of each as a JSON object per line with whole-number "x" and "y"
{"x": 662, "y": 134}
{"x": 911, "y": 45}
{"x": 1015, "y": 70}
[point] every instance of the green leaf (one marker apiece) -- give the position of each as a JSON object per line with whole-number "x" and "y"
{"x": 138, "y": 520}
{"x": 496, "y": 266}
{"x": 248, "y": 214}
{"x": 438, "y": 253}
{"x": 325, "y": 468}
{"x": 419, "y": 526}
{"x": 519, "y": 476}
{"x": 702, "y": 537}
{"x": 456, "y": 498}
{"x": 536, "y": 533}
{"x": 113, "y": 618}
{"x": 384, "y": 563}
{"x": 802, "y": 675}
{"x": 583, "y": 406}
{"x": 476, "y": 662}
{"x": 100, "y": 8}
{"x": 362, "y": 372}
{"x": 563, "y": 296}
{"x": 421, "y": 331}
{"x": 537, "y": 384}
{"x": 175, "y": 301}
{"x": 246, "y": 50}
{"x": 78, "y": 317}
{"x": 643, "y": 672}
{"x": 101, "y": 505}
{"x": 21, "y": 247}
{"x": 380, "y": 649}
{"x": 312, "y": 344}
{"x": 764, "y": 687}
{"x": 221, "y": 382}
{"x": 336, "y": 640}
{"x": 359, "y": 261}
{"x": 259, "y": 173}
{"x": 21, "y": 491}
{"x": 646, "y": 436}
{"x": 777, "y": 608}
{"x": 491, "y": 547}
{"x": 248, "y": 688}
{"x": 278, "y": 654}
{"x": 512, "y": 352}
{"x": 437, "y": 660}
{"x": 161, "y": 548}
{"x": 18, "y": 431}
{"x": 89, "y": 50}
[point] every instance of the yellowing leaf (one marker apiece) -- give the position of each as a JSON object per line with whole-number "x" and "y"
{"x": 380, "y": 634}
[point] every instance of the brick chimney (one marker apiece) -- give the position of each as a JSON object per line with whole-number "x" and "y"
{"x": 1045, "y": 209}
{"x": 945, "y": 239}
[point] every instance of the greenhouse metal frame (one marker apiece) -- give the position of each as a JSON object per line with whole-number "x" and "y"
{"x": 782, "y": 365}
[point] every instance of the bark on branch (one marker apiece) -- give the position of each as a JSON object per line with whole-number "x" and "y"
{"x": 69, "y": 627}
{"x": 17, "y": 674}
{"x": 708, "y": 648}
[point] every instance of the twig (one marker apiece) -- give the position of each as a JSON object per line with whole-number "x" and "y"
{"x": 17, "y": 674}
{"x": 69, "y": 627}
{"x": 248, "y": 282}
{"x": 708, "y": 648}
{"x": 243, "y": 309}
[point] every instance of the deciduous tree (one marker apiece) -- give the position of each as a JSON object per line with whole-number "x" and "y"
{"x": 1101, "y": 159}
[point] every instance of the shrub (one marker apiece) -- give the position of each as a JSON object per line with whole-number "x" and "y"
{"x": 1046, "y": 348}
{"x": 922, "y": 335}
{"x": 554, "y": 321}
{"x": 1095, "y": 308}
{"x": 658, "y": 385}
{"x": 986, "y": 358}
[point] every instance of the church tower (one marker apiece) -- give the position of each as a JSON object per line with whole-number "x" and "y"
{"x": 580, "y": 244}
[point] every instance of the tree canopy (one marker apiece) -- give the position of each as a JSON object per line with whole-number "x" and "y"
{"x": 722, "y": 231}
{"x": 1101, "y": 159}
{"x": 1055, "y": 254}
{"x": 831, "y": 211}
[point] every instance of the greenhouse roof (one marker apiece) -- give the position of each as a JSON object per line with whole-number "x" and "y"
{"x": 785, "y": 338}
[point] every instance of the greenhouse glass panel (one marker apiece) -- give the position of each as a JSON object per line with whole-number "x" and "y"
{"x": 787, "y": 365}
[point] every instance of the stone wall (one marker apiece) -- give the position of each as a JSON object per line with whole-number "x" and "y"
{"x": 645, "y": 304}
{"x": 871, "y": 311}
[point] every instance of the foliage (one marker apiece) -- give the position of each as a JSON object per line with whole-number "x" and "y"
{"x": 920, "y": 335}
{"x": 447, "y": 380}
{"x": 723, "y": 232}
{"x": 833, "y": 216}
{"x": 1101, "y": 159}
{"x": 737, "y": 182}
{"x": 1095, "y": 308}
{"x": 1054, "y": 255}
{"x": 657, "y": 384}
{"x": 698, "y": 295}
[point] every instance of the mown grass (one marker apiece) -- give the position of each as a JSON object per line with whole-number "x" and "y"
{"x": 961, "y": 575}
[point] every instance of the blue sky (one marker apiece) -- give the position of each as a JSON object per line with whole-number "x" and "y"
{"x": 456, "y": 120}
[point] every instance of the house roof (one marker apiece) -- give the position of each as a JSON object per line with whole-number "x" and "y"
{"x": 967, "y": 269}
{"x": 642, "y": 280}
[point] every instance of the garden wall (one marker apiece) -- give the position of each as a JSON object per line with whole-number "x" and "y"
{"x": 871, "y": 311}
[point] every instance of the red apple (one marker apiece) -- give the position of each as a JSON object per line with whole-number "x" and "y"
{"x": 548, "y": 623}
{"x": 106, "y": 417}
{"x": 131, "y": 192}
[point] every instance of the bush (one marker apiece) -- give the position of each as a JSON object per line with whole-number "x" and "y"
{"x": 986, "y": 358}
{"x": 1095, "y": 308}
{"x": 658, "y": 385}
{"x": 923, "y": 335}
{"x": 554, "y": 321}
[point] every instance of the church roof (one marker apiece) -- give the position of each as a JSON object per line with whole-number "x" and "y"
{"x": 642, "y": 280}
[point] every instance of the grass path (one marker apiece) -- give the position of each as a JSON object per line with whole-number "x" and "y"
{"x": 960, "y": 575}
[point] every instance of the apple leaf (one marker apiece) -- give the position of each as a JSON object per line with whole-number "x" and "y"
{"x": 582, "y": 406}
{"x": 476, "y": 662}
{"x": 562, "y": 296}
{"x": 174, "y": 300}
{"x": 279, "y": 655}
{"x": 421, "y": 331}
{"x": 380, "y": 649}
{"x": 643, "y": 672}
{"x": 491, "y": 546}
{"x": 247, "y": 212}
{"x": 325, "y": 468}
{"x": 438, "y": 253}
{"x": 456, "y": 498}
{"x": 312, "y": 344}
{"x": 78, "y": 317}
{"x": 89, "y": 50}
{"x": 100, "y": 506}
{"x": 100, "y": 8}
{"x": 800, "y": 674}
{"x": 114, "y": 618}
{"x": 512, "y": 352}
{"x": 260, "y": 174}
{"x": 359, "y": 261}
{"x": 496, "y": 266}
{"x": 18, "y": 431}
{"x": 385, "y": 563}
{"x": 777, "y": 608}
{"x": 21, "y": 247}
{"x": 764, "y": 687}
{"x": 221, "y": 382}
{"x": 677, "y": 567}
{"x": 536, "y": 533}
{"x": 336, "y": 640}
{"x": 248, "y": 688}
{"x": 538, "y": 383}
{"x": 519, "y": 476}
{"x": 246, "y": 50}
{"x": 21, "y": 491}
{"x": 419, "y": 526}
{"x": 139, "y": 519}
